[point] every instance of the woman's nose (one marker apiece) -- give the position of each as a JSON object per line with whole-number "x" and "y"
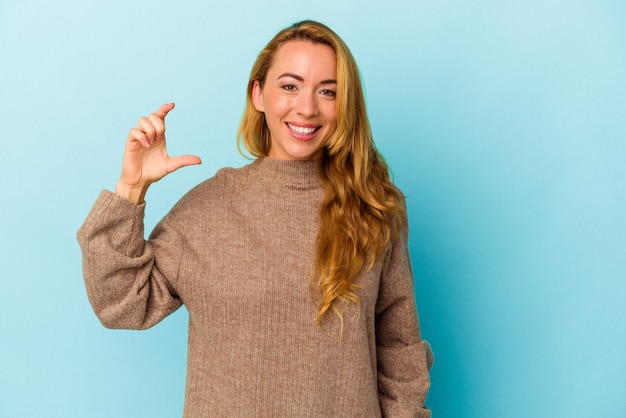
{"x": 306, "y": 104}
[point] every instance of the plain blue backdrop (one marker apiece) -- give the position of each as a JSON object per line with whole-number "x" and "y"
{"x": 503, "y": 122}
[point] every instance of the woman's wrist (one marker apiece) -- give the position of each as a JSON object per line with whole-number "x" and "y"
{"x": 135, "y": 194}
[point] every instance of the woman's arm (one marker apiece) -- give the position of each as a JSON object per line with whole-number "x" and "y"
{"x": 403, "y": 357}
{"x": 126, "y": 284}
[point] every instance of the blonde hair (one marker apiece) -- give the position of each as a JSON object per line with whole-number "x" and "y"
{"x": 361, "y": 210}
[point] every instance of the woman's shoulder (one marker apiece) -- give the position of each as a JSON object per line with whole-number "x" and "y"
{"x": 214, "y": 190}
{"x": 225, "y": 179}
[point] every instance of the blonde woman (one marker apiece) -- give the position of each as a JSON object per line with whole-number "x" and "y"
{"x": 294, "y": 269}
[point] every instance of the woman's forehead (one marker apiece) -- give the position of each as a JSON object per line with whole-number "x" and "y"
{"x": 305, "y": 57}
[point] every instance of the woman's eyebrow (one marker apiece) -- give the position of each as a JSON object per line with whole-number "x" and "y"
{"x": 299, "y": 78}
{"x": 291, "y": 75}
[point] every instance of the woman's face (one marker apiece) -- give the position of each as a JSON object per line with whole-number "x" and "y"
{"x": 298, "y": 99}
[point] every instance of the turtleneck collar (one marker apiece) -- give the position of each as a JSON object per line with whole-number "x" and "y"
{"x": 289, "y": 172}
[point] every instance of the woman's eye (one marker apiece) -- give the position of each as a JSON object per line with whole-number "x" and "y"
{"x": 329, "y": 93}
{"x": 289, "y": 87}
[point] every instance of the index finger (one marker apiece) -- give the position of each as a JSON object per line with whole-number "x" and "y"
{"x": 164, "y": 110}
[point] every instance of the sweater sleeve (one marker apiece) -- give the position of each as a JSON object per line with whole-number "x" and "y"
{"x": 125, "y": 286}
{"x": 403, "y": 358}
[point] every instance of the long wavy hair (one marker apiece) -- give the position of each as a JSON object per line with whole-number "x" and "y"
{"x": 362, "y": 210}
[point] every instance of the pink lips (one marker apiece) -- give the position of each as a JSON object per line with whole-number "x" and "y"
{"x": 303, "y": 131}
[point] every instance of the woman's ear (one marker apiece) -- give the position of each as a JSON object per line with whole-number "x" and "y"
{"x": 257, "y": 96}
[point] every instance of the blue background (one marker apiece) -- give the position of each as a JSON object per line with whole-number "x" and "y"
{"x": 504, "y": 122}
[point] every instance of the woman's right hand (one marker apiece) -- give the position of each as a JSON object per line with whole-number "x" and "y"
{"x": 145, "y": 157}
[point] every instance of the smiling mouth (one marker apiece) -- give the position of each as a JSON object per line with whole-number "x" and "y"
{"x": 303, "y": 130}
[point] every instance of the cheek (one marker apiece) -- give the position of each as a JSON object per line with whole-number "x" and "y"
{"x": 277, "y": 105}
{"x": 330, "y": 112}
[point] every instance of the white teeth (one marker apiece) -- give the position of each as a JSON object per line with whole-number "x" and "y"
{"x": 301, "y": 130}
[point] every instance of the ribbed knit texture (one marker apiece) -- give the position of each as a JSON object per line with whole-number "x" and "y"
{"x": 238, "y": 251}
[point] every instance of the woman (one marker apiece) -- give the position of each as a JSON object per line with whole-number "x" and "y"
{"x": 294, "y": 269}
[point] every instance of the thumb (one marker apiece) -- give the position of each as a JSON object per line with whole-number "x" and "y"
{"x": 175, "y": 163}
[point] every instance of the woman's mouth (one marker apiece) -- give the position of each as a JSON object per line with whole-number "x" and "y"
{"x": 303, "y": 132}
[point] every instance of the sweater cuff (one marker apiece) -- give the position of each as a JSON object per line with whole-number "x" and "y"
{"x": 113, "y": 213}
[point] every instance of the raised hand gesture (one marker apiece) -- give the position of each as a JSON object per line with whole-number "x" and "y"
{"x": 145, "y": 156}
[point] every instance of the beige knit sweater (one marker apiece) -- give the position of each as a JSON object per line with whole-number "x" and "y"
{"x": 238, "y": 251}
